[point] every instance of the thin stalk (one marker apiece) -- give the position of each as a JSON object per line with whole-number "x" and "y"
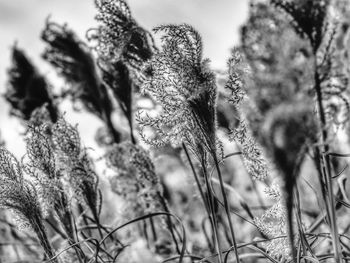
{"x": 78, "y": 249}
{"x": 289, "y": 205}
{"x": 304, "y": 243}
{"x": 328, "y": 175}
{"x": 210, "y": 242}
{"x": 108, "y": 121}
{"x": 224, "y": 225}
{"x": 168, "y": 221}
{"x": 226, "y": 206}
{"x": 196, "y": 179}
{"x": 154, "y": 234}
{"x": 69, "y": 236}
{"x": 43, "y": 239}
{"x": 66, "y": 220}
{"x": 145, "y": 233}
{"x": 132, "y": 137}
{"x": 128, "y": 114}
{"x": 321, "y": 177}
{"x": 97, "y": 250}
{"x": 95, "y": 217}
{"x": 104, "y": 228}
{"x": 68, "y": 224}
{"x": 97, "y": 221}
{"x": 212, "y": 215}
{"x": 81, "y": 212}
{"x": 95, "y": 213}
{"x": 56, "y": 229}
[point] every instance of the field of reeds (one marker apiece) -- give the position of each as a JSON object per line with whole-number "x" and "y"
{"x": 246, "y": 164}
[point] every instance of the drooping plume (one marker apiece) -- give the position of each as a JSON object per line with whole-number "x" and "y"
{"x": 27, "y": 90}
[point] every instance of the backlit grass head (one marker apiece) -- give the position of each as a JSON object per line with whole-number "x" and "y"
{"x": 184, "y": 86}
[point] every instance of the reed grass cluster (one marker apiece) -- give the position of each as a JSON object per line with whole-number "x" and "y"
{"x": 249, "y": 165}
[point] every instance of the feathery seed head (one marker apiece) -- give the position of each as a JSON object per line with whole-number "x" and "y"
{"x": 66, "y": 139}
{"x": 20, "y": 196}
{"x": 74, "y": 61}
{"x": 119, "y": 37}
{"x": 237, "y": 71}
{"x": 181, "y": 82}
{"x": 16, "y": 193}
{"x": 39, "y": 151}
{"x": 308, "y": 17}
{"x": 41, "y": 115}
{"x": 65, "y": 52}
{"x": 289, "y": 130}
{"x": 252, "y": 154}
{"x": 41, "y": 166}
{"x": 129, "y": 157}
{"x": 273, "y": 224}
{"x": 75, "y": 165}
{"x": 27, "y": 89}
{"x": 135, "y": 177}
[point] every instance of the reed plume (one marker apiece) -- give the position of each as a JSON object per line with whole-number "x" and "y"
{"x": 27, "y": 89}
{"x": 74, "y": 61}
{"x": 20, "y": 196}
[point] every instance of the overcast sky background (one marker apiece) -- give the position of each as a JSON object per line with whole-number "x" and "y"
{"x": 22, "y": 20}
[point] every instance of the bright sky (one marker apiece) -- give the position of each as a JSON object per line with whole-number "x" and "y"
{"x": 22, "y": 21}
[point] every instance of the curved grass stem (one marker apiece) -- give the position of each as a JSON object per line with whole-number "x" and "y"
{"x": 327, "y": 170}
{"x": 226, "y": 206}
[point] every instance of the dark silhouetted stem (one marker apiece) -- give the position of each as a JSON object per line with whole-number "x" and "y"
{"x": 212, "y": 214}
{"x": 226, "y": 206}
{"x": 114, "y": 133}
{"x": 327, "y": 169}
{"x": 169, "y": 223}
{"x": 39, "y": 229}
